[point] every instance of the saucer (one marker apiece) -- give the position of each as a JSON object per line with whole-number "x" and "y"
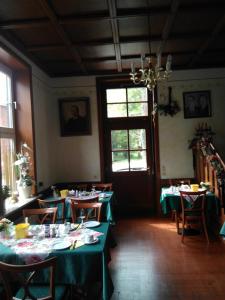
{"x": 61, "y": 245}
{"x": 95, "y": 241}
{"x": 91, "y": 224}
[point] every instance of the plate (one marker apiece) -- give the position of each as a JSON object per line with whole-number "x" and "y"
{"x": 91, "y": 224}
{"x": 93, "y": 242}
{"x": 102, "y": 195}
{"x": 61, "y": 245}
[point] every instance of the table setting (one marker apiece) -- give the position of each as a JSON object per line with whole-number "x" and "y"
{"x": 41, "y": 240}
{"x": 170, "y": 198}
{"x": 107, "y": 198}
{"x": 82, "y": 253}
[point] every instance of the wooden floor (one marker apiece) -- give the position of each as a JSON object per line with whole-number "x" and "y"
{"x": 151, "y": 263}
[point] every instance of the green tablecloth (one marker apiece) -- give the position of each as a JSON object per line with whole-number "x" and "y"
{"x": 170, "y": 201}
{"x": 84, "y": 265}
{"x": 107, "y": 203}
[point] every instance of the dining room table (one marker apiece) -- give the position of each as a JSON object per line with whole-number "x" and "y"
{"x": 107, "y": 199}
{"x": 79, "y": 261}
{"x": 170, "y": 200}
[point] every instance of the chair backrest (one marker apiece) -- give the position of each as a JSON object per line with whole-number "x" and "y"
{"x": 177, "y": 181}
{"x": 59, "y": 203}
{"x": 102, "y": 186}
{"x": 14, "y": 274}
{"x": 92, "y": 210}
{"x": 78, "y": 186}
{"x": 195, "y": 200}
{"x": 42, "y": 214}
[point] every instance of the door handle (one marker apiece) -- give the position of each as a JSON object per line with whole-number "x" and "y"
{"x": 148, "y": 171}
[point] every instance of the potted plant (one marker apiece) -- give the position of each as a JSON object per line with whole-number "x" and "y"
{"x": 25, "y": 181}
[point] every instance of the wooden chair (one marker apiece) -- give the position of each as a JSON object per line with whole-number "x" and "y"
{"x": 89, "y": 208}
{"x": 102, "y": 186}
{"x": 78, "y": 186}
{"x": 194, "y": 212}
{"x": 13, "y": 276}
{"x": 178, "y": 181}
{"x": 41, "y": 214}
{"x": 59, "y": 203}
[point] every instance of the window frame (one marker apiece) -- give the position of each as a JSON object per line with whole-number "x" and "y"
{"x": 9, "y": 132}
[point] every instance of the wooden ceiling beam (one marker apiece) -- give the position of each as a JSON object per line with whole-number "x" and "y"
{"x": 115, "y": 33}
{"x": 24, "y": 24}
{"x": 62, "y": 34}
{"x": 123, "y": 40}
{"x": 169, "y": 23}
{"x": 128, "y": 57}
{"x": 218, "y": 27}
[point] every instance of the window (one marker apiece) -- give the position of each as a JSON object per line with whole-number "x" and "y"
{"x": 7, "y": 128}
{"x": 128, "y": 150}
{"x": 127, "y": 102}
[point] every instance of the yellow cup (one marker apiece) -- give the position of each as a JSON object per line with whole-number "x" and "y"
{"x": 194, "y": 187}
{"x": 64, "y": 193}
{"x": 21, "y": 230}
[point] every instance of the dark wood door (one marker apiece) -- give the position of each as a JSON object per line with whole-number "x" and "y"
{"x": 127, "y": 143}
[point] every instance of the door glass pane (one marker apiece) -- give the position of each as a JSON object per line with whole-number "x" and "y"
{"x": 137, "y": 139}
{"x": 116, "y": 95}
{"x": 5, "y": 101}
{"x": 7, "y": 159}
{"x": 116, "y": 110}
{"x": 138, "y": 160}
{"x": 119, "y": 140}
{"x": 120, "y": 162}
{"x": 137, "y": 94}
{"x": 137, "y": 109}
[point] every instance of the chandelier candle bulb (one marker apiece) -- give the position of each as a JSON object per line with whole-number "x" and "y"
{"x": 142, "y": 61}
{"x": 168, "y": 63}
{"x": 159, "y": 60}
{"x": 132, "y": 67}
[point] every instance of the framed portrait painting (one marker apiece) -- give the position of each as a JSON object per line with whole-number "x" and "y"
{"x": 197, "y": 104}
{"x": 74, "y": 115}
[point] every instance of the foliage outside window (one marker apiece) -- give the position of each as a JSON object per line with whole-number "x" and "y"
{"x": 128, "y": 150}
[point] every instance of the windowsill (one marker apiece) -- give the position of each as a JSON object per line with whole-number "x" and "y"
{"x": 13, "y": 207}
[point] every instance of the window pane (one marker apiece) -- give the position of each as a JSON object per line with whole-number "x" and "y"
{"x": 119, "y": 140}
{"x": 116, "y": 95}
{"x": 120, "y": 161}
{"x": 116, "y": 110}
{"x": 5, "y": 101}
{"x": 7, "y": 160}
{"x": 137, "y": 139}
{"x": 137, "y": 109}
{"x": 138, "y": 160}
{"x": 137, "y": 94}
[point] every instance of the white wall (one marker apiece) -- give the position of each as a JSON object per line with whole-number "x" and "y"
{"x": 75, "y": 158}
{"x": 175, "y": 132}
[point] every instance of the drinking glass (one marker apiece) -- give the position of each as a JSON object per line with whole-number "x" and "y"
{"x": 93, "y": 191}
{"x": 82, "y": 217}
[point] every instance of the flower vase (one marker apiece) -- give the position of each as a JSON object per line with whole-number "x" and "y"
{"x": 24, "y": 191}
{"x": 2, "y": 234}
{"x": 5, "y": 234}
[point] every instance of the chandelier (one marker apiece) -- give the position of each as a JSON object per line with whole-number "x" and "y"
{"x": 149, "y": 75}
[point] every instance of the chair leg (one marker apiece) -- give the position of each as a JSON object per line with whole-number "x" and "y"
{"x": 205, "y": 228}
{"x": 183, "y": 223}
{"x": 177, "y": 221}
{"x": 173, "y": 215}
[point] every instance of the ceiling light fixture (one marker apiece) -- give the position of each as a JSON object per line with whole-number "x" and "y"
{"x": 149, "y": 75}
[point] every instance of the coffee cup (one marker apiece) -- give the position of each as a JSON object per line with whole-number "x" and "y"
{"x": 89, "y": 238}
